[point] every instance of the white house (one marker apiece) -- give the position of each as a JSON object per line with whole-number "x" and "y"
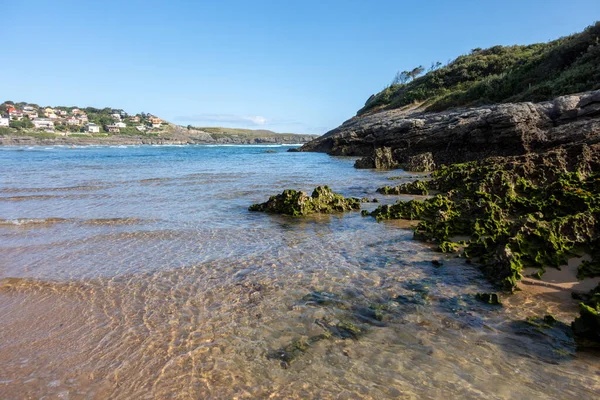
{"x": 73, "y": 121}
{"x": 120, "y": 124}
{"x": 116, "y": 116}
{"x": 4, "y": 122}
{"x": 44, "y": 123}
{"x": 141, "y": 128}
{"x": 15, "y": 115}
{"x": 113, "y": 128}
{"x": 92, "y": 128}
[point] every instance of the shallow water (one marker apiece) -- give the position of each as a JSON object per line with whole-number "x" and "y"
{"x": 138, "y": 273}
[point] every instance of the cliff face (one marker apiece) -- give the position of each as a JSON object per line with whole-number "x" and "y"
{"x": 422, "y": 140}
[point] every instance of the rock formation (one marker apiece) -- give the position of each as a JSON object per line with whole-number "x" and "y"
{"x": 296, "y": 203}
{"x": 420, "y": 141}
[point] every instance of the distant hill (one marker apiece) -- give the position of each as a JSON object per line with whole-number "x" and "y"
{"x": 221, "y": 133}
{"x": 500, "y": 74}
{"x": 28, "y": 123}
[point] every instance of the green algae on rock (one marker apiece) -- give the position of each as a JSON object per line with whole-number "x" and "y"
{"x": 535, "y": 210}
{"x": 489, "y": 298}
{"x": 416, "y": 187}
{"x": 587, "y": 325}
{"x": 296, "y": 203}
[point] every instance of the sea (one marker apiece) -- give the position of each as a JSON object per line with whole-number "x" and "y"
{"x": 137, "y": 272}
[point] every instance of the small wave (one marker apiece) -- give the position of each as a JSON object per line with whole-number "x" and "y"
{"x": 31, "y": 221}
{"x": 111, "y": 221}
{"x": 152, "y": 180}
{"x": 25, "y": 198}
{"x": 258, "y": 145}
{"x": 51, "y": 221}
{"x": 54, "y": 189}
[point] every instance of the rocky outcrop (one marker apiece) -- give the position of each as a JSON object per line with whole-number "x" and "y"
{"x": 420, "y": 141}
{"x": 382, "y": 158}
{"x": 296, "y": 203}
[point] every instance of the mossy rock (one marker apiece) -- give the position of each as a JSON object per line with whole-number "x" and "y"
{"x": 588, "y": 269}
{"x": 449, "y": 247}
{"x": 587, "y": 324}
{"x": 489, "y": 298}
{"x": 416, "y": 187}
{"x": 536, "y": 210}
{"x": 297, "y": 204}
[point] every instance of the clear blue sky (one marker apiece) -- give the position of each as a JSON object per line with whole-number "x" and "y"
{"x": 302, "y": 66}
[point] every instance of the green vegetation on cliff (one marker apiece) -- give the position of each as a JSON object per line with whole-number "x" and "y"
{"x": 536, "y": 72}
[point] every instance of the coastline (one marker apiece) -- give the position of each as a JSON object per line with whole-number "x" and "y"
{"x": 143, "y": 140}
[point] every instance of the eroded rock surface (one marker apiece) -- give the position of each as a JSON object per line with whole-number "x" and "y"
{"x": 420, "y": 141}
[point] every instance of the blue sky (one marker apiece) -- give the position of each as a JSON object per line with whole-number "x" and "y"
{"x": 303, "y": 66}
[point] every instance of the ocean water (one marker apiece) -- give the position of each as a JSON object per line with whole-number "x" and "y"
{"x": 136, "y": 272}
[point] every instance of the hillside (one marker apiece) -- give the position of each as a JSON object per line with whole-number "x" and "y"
{"x": 29, "y": 124}
{"x": 501, "y": 74}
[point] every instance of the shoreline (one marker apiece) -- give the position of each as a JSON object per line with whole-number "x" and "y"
{"x": 137, "y": 140}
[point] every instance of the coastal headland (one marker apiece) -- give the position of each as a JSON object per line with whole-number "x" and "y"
{"x": 513, "y": 183}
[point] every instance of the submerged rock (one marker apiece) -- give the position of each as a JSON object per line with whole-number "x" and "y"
{"x": 296, "y": 203}
{"x": 489, "y": 298}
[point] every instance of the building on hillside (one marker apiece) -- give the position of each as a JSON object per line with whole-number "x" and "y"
{"x": 29, "y": 113}
{"x": 156, "y": 122}
{"x": 48, "y": 111}
{"x": 112, "y": 128}
{"x": 83, "y": 118}
{"x": 116, "y": 116}
{"x": 44, "y": 123}
{"x": 28, "y": 109}
{"x": 92, "y": 128}
{"x": 135, "y": 119}
{"x": 32, "y": 115}
{"x": 52, "y": 116}
{"x": 141, "y": 128}
{"x": 15, "y": 115}
{"x": 72, "y": 121}
{"x": 76, "y": 111}
{"x": 62, "y": 113}
{"x": 10, "y": 109}
{"x": 4, "y": 121}
{"x": 120, "y": 124}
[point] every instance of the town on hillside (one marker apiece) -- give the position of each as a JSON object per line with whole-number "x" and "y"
{"x": 72, "y": 120}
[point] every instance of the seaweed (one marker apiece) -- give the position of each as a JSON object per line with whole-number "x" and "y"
{"x": 415, "y": 187}
{"x": 296, "y": 203}
{"x": 536, "y": 210}
{"x": 489, "y": 298}
{"x": 587, "y": 324}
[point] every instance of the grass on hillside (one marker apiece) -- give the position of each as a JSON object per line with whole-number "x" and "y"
{"x": 499, "y": 74}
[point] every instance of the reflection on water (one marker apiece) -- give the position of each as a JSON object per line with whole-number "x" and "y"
{"x": 164, "y": 286}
